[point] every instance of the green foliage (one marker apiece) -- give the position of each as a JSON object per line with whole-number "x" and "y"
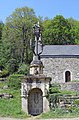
{"x": 68, "y": 92}
{"x": 23, "y": 69}
{"x": 54, "y": 100}
{"x": 55, "y": 88}
{"x": 15, "y": 42}
{"x": 74, "y": 29}
{"x": 2, "y": 84}
{"x": 14, "y": 81}
{"x": 58, "y": 31}
{"x": 76, "y": 102}
{"x": 17, "y": 34}
{"x": 4, "y": 73}
{"x": 1, "y": 28}
{"x": 55, "y": 94}
{"x": 12, "y": 65}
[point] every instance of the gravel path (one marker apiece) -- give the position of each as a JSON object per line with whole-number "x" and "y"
{"x": 33, "y": 118}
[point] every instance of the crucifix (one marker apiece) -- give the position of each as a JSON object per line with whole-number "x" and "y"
{"x": 38, "y": 43}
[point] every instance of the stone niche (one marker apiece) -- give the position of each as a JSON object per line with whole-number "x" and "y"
{"x": 34, "y": 90}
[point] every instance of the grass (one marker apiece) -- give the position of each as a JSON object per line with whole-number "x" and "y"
{"x": 75, "y": 81}
{"x": 11, "y": 107}
{"x": 61, "y": 113}
{"x": 2, "y": 84}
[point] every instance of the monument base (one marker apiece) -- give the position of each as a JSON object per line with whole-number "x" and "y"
{"x": 34, "y": 90}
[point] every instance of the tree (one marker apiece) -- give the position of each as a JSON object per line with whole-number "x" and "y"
{"x": 74, "y": 29}
{"x": 57, "y": 31}
{"x": 17, "y": 34}
{"x": 1, "y": 30}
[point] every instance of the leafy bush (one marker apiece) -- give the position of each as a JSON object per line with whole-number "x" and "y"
{"x": 55, "y": 94}
{"x": 55, "y": 88}
{"x": 12, "y": 65}
{"x": 4, "y": 73}
{"x": 23, "y": 69}
{"x": 14, "y": 81}
{"x": 76, "y": 102}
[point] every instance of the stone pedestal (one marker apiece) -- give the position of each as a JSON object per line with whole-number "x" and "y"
{"x": 34, "y": 90}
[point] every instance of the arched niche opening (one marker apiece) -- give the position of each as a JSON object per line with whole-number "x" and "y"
{"x": 67, "y": 76}
{"x": 35, "y": 101}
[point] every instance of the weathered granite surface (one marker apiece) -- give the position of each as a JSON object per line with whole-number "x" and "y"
{"x": 55, "y": 67}
{"x": 73, "y": 86}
